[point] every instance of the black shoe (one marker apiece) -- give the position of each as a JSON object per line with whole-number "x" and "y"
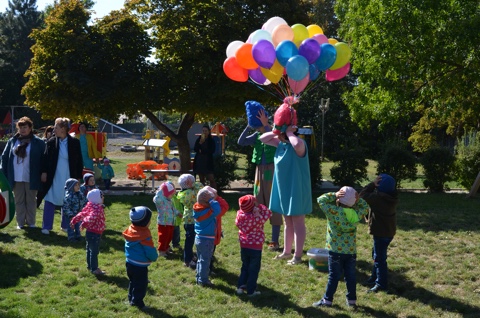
{"x": 321, "y": 303}
{"x": 376, "y": 289}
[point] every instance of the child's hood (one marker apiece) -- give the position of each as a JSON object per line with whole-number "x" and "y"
{"x": 136, "y": 233}
{"x": 197, "y": 207}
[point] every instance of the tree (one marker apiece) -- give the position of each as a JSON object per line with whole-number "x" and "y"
{"x": 15, "y": 26}
{"x": 103, "y": 69}
{"x": 417, "y": 62}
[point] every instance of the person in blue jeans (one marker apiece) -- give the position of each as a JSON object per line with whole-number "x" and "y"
{"x": 140, "y": 253}
{"x": 382, "y": 197}
{"x": 343, "y": 209}
{"x": 205, "y": 211}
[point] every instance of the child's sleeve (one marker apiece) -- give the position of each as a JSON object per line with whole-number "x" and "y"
{"x": 243, "y": 223}
{"x": 362, "y": 208}
{"x": 325, "y": 201}
{"x": 178, "y": 207}
{"x": 223, "y": 205}
{"x": 112, "y": 172}
{"x": 66, "y": 208}
{"x": 149, "y": 248}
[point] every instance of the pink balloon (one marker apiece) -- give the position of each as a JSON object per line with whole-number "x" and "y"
{"x": 320, "y": 38}
{"x": 337, "y": 74}
{"x": 298, "y": 86}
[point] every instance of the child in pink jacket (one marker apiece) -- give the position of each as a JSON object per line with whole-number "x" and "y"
{"x": 250, "y": 221}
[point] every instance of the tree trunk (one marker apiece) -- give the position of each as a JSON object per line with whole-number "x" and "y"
{"x": 181, "y": 137}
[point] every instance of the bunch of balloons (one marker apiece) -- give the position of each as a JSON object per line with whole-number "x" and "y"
{"x": 277, "y": 49}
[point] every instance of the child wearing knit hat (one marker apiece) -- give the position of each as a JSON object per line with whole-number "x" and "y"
{"x": 139, "y": 253}
{"x": 250, "y": 221}
{"x": 73, "y": 202}
{"x": 88, "y": 183}
{"x": 207, "y": 212}
{"x": 186, "y": 198}
{"x": 166, "y": 216}
{"x": 93, "y": 220}
{"x": 381, "y": 195}
{"x": 343, "y": 209}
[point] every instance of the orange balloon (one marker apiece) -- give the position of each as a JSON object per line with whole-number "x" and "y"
{"x": 245, "y": 58}
{"x": 282, "y": 33}
{"x": 234, "y": 71}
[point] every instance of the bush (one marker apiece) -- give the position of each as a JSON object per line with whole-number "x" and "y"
{"x": 315, "y": 166}
{"x": 225, "y": 167}
{"x": 467, "y": 165}
{"x": 437, "y": 165}
{"x": 398, "y": 162}
{"x": 350, "y": 167}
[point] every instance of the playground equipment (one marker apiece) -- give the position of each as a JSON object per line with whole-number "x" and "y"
{"x": 135, "y": 171}
{"x": 100, "y": 139}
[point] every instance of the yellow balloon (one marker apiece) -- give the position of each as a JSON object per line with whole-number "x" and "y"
{"x": 344, "y": 53}
{"x": 274, "y": 74}
{"x": 314, "y": 29}
{"x": 332, "y": 41}
{"x": 300, "y": 33}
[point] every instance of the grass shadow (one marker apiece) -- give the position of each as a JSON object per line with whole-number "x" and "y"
{"x": 23, "y": 268}
{"x": 401, "y": 286}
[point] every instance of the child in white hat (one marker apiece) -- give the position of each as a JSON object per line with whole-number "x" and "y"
{"x": 166, "y": 216}
{"x": 343, "y": 209}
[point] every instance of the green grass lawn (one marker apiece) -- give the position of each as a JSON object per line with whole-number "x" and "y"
{"x": 433, "y": 264}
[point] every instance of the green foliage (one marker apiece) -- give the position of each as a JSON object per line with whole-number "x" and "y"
{"x": 467, "y": 165}
{"x": 437, "y": 165}
{"x": 16, "y": 24}
{"x": 350, "y": 167}
{"x": 398, "y": 162}
{"x": 407, "y": 70}
{"x": 225, "y": 166}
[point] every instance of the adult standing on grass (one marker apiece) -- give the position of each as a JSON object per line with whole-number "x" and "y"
{"x": 382, "y": 197}
{"x": 203, "y": 164}
{"x": 291, "y": 190}
{"x": 62, "y": 160}
{"x": 20, "y": 164}
{"x": 263, "y": 157}
{"x": 88, "y": 146}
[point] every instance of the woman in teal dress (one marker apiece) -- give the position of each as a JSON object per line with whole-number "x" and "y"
{"x": 291, "y": 191}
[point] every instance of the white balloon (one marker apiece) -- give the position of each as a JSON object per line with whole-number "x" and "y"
{"x": 233, "y": 47}
{"x": 260, "y": 35}
{"x": 272, "y": 23}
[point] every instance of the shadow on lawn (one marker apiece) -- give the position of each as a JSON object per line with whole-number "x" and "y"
{"x": 23, "y": 268}
{"x": 400, "y": 286}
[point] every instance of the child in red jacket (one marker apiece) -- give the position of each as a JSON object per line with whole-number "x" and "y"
{"x": 250, "y": 221}
{"x": 93, "y": 220}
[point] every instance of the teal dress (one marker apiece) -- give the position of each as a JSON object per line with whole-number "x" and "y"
{"x": 87, "y": 161}
{"x": 291, "y": 190}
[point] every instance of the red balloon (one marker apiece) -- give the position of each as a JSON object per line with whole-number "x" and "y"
{"x": 234, "y": 71}
{"x": 337, "y": 74}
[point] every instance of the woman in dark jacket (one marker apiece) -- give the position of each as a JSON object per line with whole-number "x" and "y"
{"x": 62, "y": 160}
{"x": 20, "y": 160}
{"x": 203, "y": 162}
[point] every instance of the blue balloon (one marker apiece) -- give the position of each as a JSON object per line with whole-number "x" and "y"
{"x": 314, "y": 72}
{"x": 297, "y": 67}
{"x": 327, "y": 57}
{"x": 285, "y": 50}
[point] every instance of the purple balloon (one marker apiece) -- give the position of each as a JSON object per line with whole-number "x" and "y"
{"x": 309, "y": 49}
{"x": 257, "y": 76}
{"x": 263, "y": 53}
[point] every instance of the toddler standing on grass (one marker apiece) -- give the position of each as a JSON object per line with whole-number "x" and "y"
{"x": 73, "y": 202}
{"x": 187, "y": 197}
{"x": 250, "y": 221}
{"x": 205, "y": 212}
{"x": 166, "y": 216}
{"x": 93, "y": 220}
{"x": 140, "y": 253}
{"x": 88, "y": 183}
{"x": 343, "y": 209}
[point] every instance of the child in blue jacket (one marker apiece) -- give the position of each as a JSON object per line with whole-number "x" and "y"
{"x": 140, "y": 253}
{"x": 73, "y": 202}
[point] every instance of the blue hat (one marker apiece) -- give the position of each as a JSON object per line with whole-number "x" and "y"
{"x": 140, "y": 215}
{"x": 387, "y": 184}
{"x": 253, "y": 108}
{"x": 70, "y": 183}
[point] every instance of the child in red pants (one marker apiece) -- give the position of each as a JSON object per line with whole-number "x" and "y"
{"x": 166, "y": 216}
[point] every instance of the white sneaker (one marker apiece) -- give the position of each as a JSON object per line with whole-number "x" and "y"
{"x": 45, "y": 231}
{"x": 19, "y": 227}
{"x": 240, "y": 291}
